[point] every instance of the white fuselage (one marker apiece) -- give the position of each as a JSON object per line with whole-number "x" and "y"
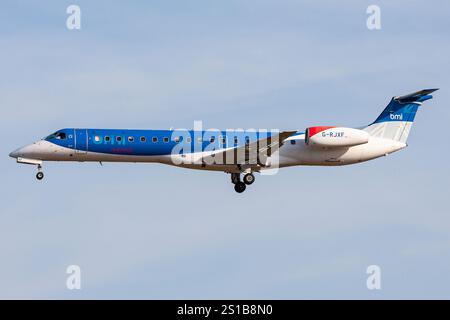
{"x": 293, "y": 152}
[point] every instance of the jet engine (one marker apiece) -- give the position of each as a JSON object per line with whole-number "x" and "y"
{"x": 325, "y": 136}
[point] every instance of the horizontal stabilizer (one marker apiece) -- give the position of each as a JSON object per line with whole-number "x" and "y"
{"x": 418, "y": 96}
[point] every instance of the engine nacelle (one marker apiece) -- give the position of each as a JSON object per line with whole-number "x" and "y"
{"x": 335, "y": 136}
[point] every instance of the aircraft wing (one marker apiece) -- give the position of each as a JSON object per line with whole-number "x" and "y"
{"x": 251, "y": 155}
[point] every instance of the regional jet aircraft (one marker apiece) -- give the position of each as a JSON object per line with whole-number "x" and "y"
{"x": 240, "y": 153}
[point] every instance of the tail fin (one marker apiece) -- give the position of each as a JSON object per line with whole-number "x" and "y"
{"x": 396, "y": 120}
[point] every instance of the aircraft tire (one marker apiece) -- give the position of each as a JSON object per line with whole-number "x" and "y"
{"x": 249, "y": 178}
{"x": 239, "y": 187}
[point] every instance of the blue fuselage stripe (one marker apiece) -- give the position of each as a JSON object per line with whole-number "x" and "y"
{"x": 151, "y": 142}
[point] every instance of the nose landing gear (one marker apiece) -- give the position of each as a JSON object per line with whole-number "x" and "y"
{"x": 40, "y": 174}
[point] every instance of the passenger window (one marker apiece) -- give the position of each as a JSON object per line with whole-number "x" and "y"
{"x": 97, "y": 138}
{"x": 292, "y": 141}
{"x": 224, "y": 140}
{"x": 199, "y": 139}
{"x": 155, "y": 139}
{"x": 176, "y": 139}
{"x": 143, "y": 139}
{"x": 131, "y": 139}
{"x": 188, "y": 139}
{"x": 236, "y": 141}
{"x": 165, "y": 139}
{"x": 119, "y": 139}
{"x": 107, "y": 139}
{"x": 212, "y": 139}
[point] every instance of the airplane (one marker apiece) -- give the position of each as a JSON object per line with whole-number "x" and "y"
{"x": 236, "y": 152}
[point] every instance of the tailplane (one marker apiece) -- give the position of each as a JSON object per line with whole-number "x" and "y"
{"x": 396, "y": 120}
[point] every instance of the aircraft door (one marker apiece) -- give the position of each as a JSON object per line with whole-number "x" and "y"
{"x": 81, "y": 141}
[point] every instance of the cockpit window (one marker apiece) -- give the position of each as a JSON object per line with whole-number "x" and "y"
{"x": 57, "y": 135}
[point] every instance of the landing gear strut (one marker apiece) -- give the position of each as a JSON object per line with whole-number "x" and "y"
{"x": 40, "y": 174}
{"x": 235, "y": 177}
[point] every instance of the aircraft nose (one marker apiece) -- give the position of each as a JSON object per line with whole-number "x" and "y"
{"x": 15, "y": 153}
{"x": 27, "y": 151}
{"x": 36, "y": 150}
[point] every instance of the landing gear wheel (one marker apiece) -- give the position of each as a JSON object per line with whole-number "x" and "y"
{"x": 40, "y": 175}
{"x": 249, "y": 178}
{"x": 239, "y": 187}
{"x": 235, "y": 178}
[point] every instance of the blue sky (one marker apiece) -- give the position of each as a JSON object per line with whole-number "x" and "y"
{"x": 150, "y": 231}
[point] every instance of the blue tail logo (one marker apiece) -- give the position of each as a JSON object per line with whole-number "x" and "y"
{"x": 404, "y": 108}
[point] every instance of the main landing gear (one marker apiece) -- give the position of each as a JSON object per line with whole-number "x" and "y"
{"x": 40, "y": 174}
{"x": 249, "y": 178}
{"x": 240, "y": 186}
